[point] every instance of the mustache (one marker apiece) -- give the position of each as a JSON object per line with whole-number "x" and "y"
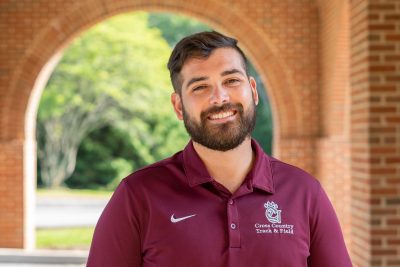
{"x": 223, "y": 108}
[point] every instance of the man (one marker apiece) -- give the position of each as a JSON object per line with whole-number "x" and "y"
{"x": 221, "y": 201}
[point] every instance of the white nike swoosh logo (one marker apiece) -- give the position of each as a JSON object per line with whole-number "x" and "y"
{"x": 175, "y": 220}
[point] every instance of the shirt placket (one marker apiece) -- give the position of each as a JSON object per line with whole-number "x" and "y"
{"x": 233, "y": 224}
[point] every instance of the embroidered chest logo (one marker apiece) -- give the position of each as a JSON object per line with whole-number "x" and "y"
{"x": 272, "y": 213}
{"x": 175, "y": 220}
{"x": 275, "y": 225}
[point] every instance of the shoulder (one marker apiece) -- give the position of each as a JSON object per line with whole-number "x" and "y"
{"x": 158, "y": 172}
{"x": 284, "y": 173}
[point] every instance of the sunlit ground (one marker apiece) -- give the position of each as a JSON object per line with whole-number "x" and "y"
{"x": 76, "y": 238}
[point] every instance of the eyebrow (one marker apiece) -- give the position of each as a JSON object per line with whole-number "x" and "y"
{"x": 196, "y": 79}
{"x": 232, "y": 71}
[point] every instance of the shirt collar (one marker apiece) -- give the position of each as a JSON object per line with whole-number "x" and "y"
{"x": 260, "y": 176}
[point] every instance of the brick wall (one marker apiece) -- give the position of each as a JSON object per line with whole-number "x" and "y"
{"x": 375, "y": 132}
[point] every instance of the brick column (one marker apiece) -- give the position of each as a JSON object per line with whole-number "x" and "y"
{"x": 11, "y": 192}
{"x": 375, "y": 132}
{"x": 333, "y": 146}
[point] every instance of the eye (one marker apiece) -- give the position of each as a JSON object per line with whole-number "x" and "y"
{"x": 199, "y": 88}
{"x": 232, "y": 81}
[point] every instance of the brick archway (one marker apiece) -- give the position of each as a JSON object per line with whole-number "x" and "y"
{"x": 59, "y": 32}
{"x": 32, "y": 73}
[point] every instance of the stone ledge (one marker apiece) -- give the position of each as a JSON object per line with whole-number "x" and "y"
{"x": 43, "y": 256}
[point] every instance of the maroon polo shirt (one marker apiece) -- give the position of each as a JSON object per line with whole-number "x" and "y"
{"x": 172, "y": 213}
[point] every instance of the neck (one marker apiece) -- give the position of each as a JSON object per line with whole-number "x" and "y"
{"x": 229, "y": 168}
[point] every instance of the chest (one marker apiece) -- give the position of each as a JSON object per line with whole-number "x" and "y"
{"x": 252, "y": 230}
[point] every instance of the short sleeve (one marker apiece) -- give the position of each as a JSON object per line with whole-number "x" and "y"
{"x": 116, "y": 239}
{"x": 327, "y": 247}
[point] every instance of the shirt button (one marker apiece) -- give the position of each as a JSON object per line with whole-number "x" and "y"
{"x": 233, "y": 226}
{"x": 230, "y": 201}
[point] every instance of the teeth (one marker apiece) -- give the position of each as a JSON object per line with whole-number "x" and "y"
{"x": 221, "y": 115}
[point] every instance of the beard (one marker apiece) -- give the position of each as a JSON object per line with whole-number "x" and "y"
{"x": 224, "y": 136}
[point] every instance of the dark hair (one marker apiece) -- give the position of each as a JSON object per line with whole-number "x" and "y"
{"x": 198, "y": 45}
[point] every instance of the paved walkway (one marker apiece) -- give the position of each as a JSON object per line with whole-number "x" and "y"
{"x": 68, "y": 211}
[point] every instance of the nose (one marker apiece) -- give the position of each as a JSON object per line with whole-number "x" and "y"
{"x": 219, "y": 95}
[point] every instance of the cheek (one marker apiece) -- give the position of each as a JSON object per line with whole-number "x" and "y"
{"x": 191, "y": 110}
{"x": 243, "y": 95}
{"x": 193, "y": 105}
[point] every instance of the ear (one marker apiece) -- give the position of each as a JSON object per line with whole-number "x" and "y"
{"x": 253, "y": 85}
{"x": 177, "y": 104}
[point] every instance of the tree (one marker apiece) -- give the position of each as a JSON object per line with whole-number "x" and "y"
{"x": 113, "y": 74}
{"x": 174, "y": 27}
{"x": 113, "y": 153}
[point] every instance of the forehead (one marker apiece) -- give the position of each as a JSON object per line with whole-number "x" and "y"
{"x": 221, "y": 59}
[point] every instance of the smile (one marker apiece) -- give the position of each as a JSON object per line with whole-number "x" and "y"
{"x": 222, "y": 115}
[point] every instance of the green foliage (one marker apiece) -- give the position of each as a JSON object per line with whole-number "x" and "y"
{"x": 174, "y": 27}
{"x": 114, "y": 74}
{"x": 263, "y": 130}
{"x": 121, "y": 58}
{"x": 110, "y": 149}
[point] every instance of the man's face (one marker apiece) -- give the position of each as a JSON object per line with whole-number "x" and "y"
{"x": 217, "y": 100}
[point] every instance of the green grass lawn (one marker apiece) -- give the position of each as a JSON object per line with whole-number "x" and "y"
{"x": 64, "y": 238}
